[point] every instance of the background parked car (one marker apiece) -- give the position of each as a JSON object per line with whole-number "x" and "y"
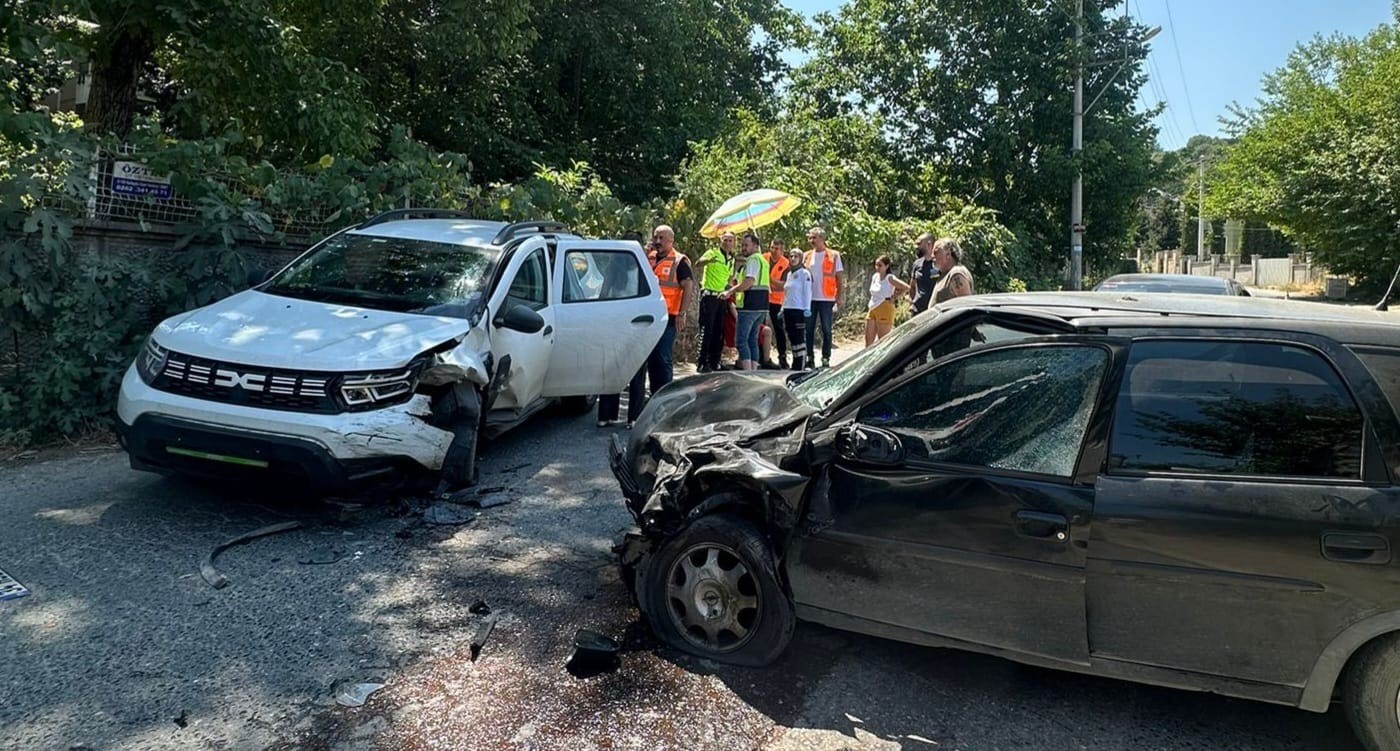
{"x": 1180, "y": 283}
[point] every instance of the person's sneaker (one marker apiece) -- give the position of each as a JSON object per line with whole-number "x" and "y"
{"x": 826, "y": 363}
{"x": 629, "y": 425}
{"x": 783, "y": 364}
{"x": 703, "y": 369}
{"x": 767, "y": 366}
{"x": 602, "y": 423}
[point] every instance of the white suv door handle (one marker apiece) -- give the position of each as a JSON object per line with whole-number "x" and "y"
{"x": 644, "y": 319}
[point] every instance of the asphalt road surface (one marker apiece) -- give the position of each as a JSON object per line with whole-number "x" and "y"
{"x": 122, "y": 645}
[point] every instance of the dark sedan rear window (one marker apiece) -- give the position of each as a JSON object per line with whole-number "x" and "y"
{"x": 1234, "y": 408}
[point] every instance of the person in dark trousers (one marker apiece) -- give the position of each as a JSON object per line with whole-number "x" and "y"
{"x": 797, "y": 308}
{"x": 715, "y": 269}
{"x": 828, "y": 278}
{"x": 672, "y": 271}
{"x": 777, "y": 275}
{"x": 609, "y": 405}
{"x": 924, "y": 275}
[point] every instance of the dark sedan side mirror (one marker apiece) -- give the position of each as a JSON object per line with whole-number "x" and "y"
{"x": 258, "y": 276}
{"x": 519, "y": 318}
{"x": 867, "y": 445}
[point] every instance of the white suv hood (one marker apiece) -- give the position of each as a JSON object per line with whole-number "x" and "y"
{"x": 253, "y": 328}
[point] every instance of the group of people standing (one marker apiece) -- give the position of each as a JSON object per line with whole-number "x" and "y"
{"x": 783, "y": 288}
{"x": 937, "y": 275}
{"x": 796, "y": 293}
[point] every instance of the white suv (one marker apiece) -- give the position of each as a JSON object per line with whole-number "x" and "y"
{"x": 387, "y": 350}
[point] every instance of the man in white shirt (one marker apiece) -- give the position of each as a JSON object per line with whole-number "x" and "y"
{"x": 828, "y": 279}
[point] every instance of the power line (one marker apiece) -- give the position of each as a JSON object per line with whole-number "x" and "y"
{"x": 1171, "y": 25}
{"x": 1170, "y": 127}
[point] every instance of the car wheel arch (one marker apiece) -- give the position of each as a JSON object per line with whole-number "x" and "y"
{"x": 1337, "y": 657}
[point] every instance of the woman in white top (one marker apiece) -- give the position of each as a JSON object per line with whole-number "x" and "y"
{"x": 884, "y": 288}
{"x": 797, "y": 308}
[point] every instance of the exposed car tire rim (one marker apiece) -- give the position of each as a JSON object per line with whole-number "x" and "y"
{"x": 712, "y": 598}
{"x": 713, "y": 590}
{"x": 1372, "y": 694}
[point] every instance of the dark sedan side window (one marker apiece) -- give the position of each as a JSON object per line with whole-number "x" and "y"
{"x": 1246, "y": 408}
{"x": 1024, "y": 409}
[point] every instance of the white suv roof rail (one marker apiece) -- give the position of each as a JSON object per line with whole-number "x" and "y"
{"x": 544, "y": 227}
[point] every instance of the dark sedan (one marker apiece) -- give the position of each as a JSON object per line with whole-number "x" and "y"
{"x": 1190, "y": 284}
{"x": 1178, "y": 490}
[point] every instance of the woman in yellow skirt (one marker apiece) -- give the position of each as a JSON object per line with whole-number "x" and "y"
{"x": 884, "y": 289}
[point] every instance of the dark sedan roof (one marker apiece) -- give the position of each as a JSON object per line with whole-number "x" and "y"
{"x": 1347, "y": 323}
{"x": 1163, "y": 283}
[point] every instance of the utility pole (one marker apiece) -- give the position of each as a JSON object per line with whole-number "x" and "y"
{"x": 1201, "y": 209}
{"x": 1076, "y": 211}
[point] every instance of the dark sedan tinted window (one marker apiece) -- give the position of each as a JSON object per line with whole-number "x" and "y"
{"x": 1023, "y": 409}
{"x": 1248, "y": 408}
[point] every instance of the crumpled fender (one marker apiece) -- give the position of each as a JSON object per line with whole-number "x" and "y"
{"x": 464, "y": 362}
{"x": 721, "y": 432}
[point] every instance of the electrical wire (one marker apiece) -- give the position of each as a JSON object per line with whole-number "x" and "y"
{"x": 1171, "y": 25}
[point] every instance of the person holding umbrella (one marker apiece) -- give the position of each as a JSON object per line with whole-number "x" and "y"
{"x": 752, "y": 291}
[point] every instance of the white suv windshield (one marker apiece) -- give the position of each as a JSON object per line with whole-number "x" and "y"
{"x": 390, "y": 273}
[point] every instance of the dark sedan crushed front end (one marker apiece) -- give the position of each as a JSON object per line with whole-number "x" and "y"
{"x": 1065, "y": 480}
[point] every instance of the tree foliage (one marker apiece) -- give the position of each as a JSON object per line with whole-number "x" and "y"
{"x": 1320, "y": 154}
{"x": 980, "y": 91}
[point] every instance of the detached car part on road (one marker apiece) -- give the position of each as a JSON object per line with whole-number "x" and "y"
{"x": 1184, "y": 491}
{"x": 388, "y": 349}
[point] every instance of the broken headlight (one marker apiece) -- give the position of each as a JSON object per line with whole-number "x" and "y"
{"x": 368, "y": 390}
{"x": 151, "y": 361}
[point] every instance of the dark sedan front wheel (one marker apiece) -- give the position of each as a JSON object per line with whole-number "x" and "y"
{"x": 713, "y": 591}
{"x": 1372, "y": 694}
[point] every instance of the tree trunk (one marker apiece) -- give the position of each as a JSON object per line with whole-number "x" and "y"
{"x": 116, "y": 72}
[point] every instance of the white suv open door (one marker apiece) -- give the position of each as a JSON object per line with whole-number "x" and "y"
{"x": 608, "y": 317}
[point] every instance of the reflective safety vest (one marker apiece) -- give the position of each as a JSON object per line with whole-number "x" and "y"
{"x": 666, "y": 272}
{"x": 778, "y": 276}
{"x": 761, "y": 284}
{"x": 828, "y": 271}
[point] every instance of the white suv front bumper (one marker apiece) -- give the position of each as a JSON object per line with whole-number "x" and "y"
{"x": 399, "y": 432}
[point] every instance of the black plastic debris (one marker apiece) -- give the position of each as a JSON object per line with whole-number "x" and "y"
{"x": 481, "y": 634}
{"x": 594, "y": 654}
{"x": 206, "y": 566}
{"x": 480, "y": 497}
{"x": 479, "y": 608}
{"x": 447, "y": 514}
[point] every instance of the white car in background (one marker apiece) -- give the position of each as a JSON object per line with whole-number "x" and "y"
{"x": 388, "y": 349}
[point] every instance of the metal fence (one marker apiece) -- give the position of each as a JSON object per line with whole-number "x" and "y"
{"x": 144, "y": 198}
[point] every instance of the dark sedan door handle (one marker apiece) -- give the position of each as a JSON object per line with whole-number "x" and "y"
{"x": 644, "y": 319}
{"x": 1355, "y": 547}
{"x": 1042, "y": 525}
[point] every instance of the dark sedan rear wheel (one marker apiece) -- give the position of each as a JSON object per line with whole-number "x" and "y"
{"x": 713, "y": 591}
{"x": 1372, "y": 694}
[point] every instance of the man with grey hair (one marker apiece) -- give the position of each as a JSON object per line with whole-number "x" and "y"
{"x": 828, "y": 277}
{"x": 924, "y": 275}
{"x": 955, "y": 280}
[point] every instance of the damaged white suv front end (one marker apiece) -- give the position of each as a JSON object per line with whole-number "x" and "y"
{"x": 384, "y": 352}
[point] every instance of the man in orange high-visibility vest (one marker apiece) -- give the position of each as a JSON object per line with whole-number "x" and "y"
{"x": 777, "y": 275}
{"x": 828, "y": 279}
{"x": 677, "y": 284}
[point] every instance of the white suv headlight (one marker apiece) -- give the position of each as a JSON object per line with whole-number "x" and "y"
{"x": 150, "y": 361}
{"x": 364, "y": 389}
